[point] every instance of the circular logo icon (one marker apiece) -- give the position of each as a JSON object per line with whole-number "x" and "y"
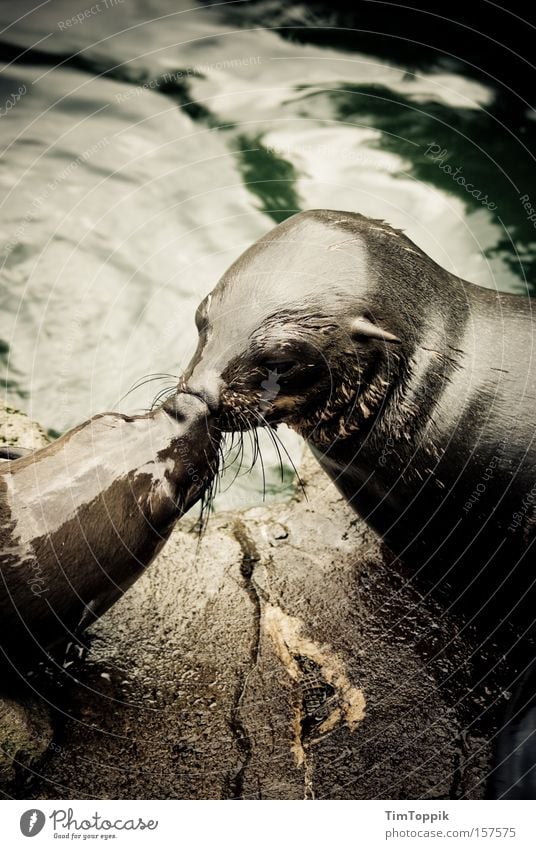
{"x": 31, "y": 822}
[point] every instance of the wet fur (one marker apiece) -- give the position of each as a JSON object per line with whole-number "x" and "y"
{"x": 408, "y": 433}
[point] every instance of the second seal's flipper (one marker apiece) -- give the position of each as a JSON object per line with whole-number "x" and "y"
{"x": 10, "y": 452}
{"x": 514, "y": 773}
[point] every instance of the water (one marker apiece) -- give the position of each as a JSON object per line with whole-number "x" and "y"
{"x": 146, "y": 146}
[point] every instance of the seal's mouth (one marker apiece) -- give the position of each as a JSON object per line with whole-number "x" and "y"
{"x": 339, "y": 405}
{"x": 241, "y": 410}
{"x": 198, "y": 450}
{"x": 272, "y": 391}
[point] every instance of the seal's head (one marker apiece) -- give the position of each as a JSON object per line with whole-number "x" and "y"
{"x": 82, "y": 518}
{"x": 303, "y": 328}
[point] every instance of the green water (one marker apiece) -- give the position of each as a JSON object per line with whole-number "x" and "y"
{"x": 155, "y": 143}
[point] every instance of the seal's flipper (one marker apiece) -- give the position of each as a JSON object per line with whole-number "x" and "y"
{"x": 9, "y": 452}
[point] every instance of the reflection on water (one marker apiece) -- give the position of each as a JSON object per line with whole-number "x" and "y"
{"x": 151, "y": 145}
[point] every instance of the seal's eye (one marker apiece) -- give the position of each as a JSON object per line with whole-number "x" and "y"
{"x": 291, "y": 375}
{"x": 292, "y": 366}
{"x": 282, "y": 367}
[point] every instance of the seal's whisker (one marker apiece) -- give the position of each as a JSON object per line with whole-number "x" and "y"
{"x": 254, "y": 443}
{"x": 232, "y": 444}
{"x": 229, "y": 459}
{"x": 240, "y": 459}
{"x": 238, "y": 465}
{"x": 263, "y": 477}
{"x": 270, "y": 433}
{"x": 164, "y": 393}
{"x": 256, "y": 453}
{"x": 221, "y": 469}
{"x": 204, "y": 513}
{"x": 289, "y": 458}
{"x": 254, "y": 436}
{"x": 222, "y": 461}
{"x": 256, "y": 447}
{"x": 229, "y": 450}
{"x": 209, "y": 494}
{"x": 147, "y": 378}
{"x": 219, "y": 454}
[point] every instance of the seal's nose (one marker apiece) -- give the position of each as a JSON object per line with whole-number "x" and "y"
{"x": 208, "y": 388}
{"x": 186, "y": 408}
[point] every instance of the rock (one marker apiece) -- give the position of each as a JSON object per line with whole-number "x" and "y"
{"x": 283, "y": 655}
{"x": 25, "y": 723}
{"x": 26, "y": 734}
{"x": 17, "y": 429}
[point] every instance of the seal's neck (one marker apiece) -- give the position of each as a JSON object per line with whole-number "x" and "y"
{"x": 402, "y": 399}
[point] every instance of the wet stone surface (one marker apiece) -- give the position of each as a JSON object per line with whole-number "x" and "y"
{"x": 26, "y": 734}
{"x": 282, "y": 656}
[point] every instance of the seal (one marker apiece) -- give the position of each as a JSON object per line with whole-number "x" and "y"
{"x": 415, "y": 389}
{"x": 82, "y": 518}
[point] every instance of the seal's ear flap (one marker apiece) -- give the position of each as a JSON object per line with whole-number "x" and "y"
{"x": 364, "y": 327}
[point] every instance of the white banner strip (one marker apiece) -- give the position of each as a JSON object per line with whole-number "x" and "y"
{"x": 271, "y": 824}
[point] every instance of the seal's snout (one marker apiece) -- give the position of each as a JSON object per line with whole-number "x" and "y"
{"x": 208, "y": 389}
{"x": 188, "y": 409}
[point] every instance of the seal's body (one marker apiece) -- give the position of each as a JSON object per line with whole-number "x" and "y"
{"x": 446, "y": 469}
{"x": 83, "y": 517}
{"x": 415, "y": 389}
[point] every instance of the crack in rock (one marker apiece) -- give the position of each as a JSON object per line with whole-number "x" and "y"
{"x": 326, "y": 696}
{"x": 250, "y": 557}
